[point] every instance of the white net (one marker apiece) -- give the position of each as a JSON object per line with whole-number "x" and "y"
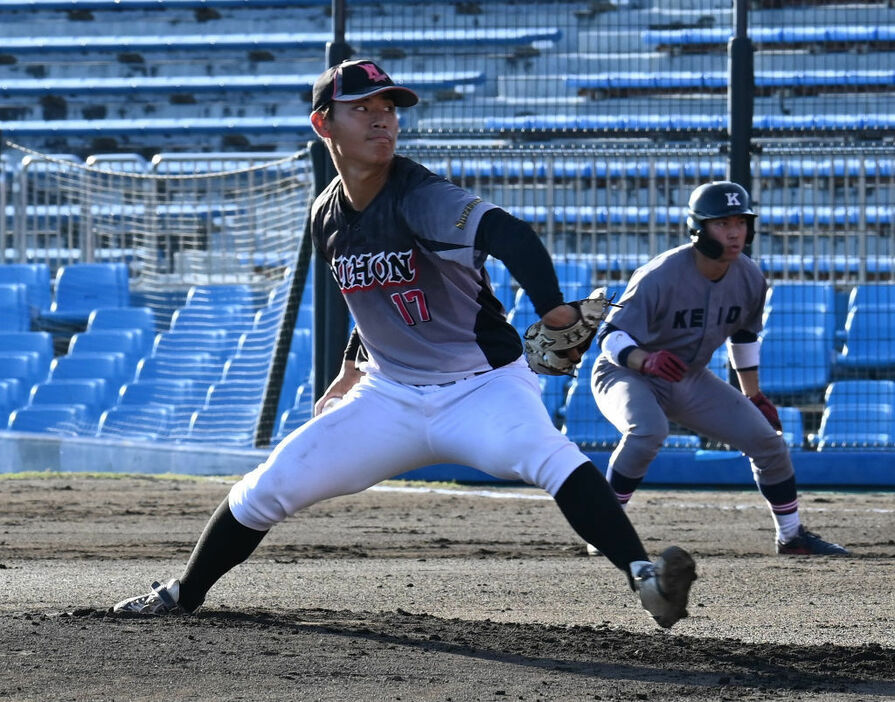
{"x": 181, "y": 269}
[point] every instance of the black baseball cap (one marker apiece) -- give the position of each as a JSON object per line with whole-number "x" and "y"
{"x": 356, "y": 80}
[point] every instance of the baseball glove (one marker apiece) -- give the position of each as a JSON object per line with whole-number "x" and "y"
{"x": 546, "y": 349}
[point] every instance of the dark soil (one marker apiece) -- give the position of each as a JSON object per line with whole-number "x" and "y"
{"x": 419, "y": 594}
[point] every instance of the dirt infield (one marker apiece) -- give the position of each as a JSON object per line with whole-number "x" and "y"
{"x": 412, "y": 593}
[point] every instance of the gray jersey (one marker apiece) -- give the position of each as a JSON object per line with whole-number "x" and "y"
{"x": 412, "y": 278}
{"x": 668, "y": 304}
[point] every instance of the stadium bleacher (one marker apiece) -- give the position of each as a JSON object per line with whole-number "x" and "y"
{"x": 492, "y": 66}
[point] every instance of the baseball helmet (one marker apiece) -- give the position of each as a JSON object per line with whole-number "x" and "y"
{"x": 713, "y": 201}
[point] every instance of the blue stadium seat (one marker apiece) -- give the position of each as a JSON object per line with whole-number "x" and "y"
{"x": 89, "y": 394}
{"x": 81, "y": 288}
{"x": 25, "y": 368}
{"x": 623, "y": 82}
{"x": 66, "y": 420}
{"x": 15, "y": 314}
{"x": 36, "y": 278}
{"x": 15, "y": 393}
{"x": 267, "y": 318}
{"x": 294, "y": 377}
{"x": 203, "y": 367}
{"x": 228, "y": 426}
{"x": 229, "y": 393}
{"x": 583, "y": 423}
{"x": 220, "y": 295}
{"x": 247, "y": 368}
{"x": 793, "y": 426}
{"x": 801, "y": 305}
{"x": 301, "y": 411}
{"x": 9, "y": 394}
{"x": 576, "y": 273}
{"x": 870, "y": 296}
{"x": 39, "y": 342}
{"x": 216, "y": 342}
{"x": 290, "y": 420}
{"x": 139, "y": 318}
{"x": 795, "y": 361}
{"x": 787, "y": 34}
{"x": 676, "y": 121}
{"x": 301, "y": 353}
{"x": 154, "y": 391}
{"x": 305, "y": 40}
{"x": 232, "y": 318}
{"x": 860, "y": 390}
{"x": 181, "y": 396}
{"x": 110, "y": 366}
{"x": 127, "y": 341}
{"x": 258, "y": 341}
{"x": 857, "y": 425}
{"x": 146, "y": 85}
{"x": 135, "y": 422}
{"x": 869, "y": 340}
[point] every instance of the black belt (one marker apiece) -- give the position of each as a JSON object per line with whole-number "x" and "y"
{"x": 453, "y": 382}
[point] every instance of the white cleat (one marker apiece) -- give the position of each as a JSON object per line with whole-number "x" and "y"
{"x": 664, "y": 586}
{"x": 162, "y": 599}
{"x": 593, "y": 550}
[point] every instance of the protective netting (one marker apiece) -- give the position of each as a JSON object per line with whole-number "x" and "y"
{"x": 171, "y": 286}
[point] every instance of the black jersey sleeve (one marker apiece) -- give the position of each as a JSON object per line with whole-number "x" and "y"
{"x": 354, "y": 350}
{"x": 744, "y": 336}
{"x": 516, "y": 244}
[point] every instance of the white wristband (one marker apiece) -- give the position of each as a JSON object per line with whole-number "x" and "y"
{"x": 614, "y": 343}
{"x": 744, "y": 355}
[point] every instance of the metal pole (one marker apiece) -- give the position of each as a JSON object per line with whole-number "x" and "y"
{"x": 740, "y": 102}
{"x": 741, "y": 96}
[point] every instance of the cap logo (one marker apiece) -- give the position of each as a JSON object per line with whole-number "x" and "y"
{"x": 373, "y": 73}
{"x": 733, "y": 199}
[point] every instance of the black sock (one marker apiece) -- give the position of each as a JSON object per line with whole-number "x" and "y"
{"x": 622, "y": 485}
{"x": 224, "y": 544}
{"x": 591, "y": 508}
{"x": 781, "y": 493}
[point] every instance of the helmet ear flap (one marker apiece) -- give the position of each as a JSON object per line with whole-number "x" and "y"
{"x": 701, "y": 241}
{"x": 694, "y": 226}
{"x": 750, "y": 231}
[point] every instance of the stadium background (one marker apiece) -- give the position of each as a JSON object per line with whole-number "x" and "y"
{"x": 157, "y": 160}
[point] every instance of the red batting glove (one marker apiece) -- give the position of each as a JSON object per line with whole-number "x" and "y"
{"x": 766, "y": 407}
{"x": 664, "y": 364}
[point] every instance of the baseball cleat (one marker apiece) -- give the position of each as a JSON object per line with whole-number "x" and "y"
{"x": 664, "y": 586}
{"x": 809, "y": 544}
{"x": 593, "y": 550}
{"x": 162, "y": 599}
